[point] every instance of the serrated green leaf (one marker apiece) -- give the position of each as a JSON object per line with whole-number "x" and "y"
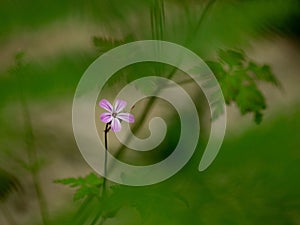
{"x": 93, "y": 180}
{"x": 263, "y": 73}
{"x": 87, "y": 186}
{"x": 231, "y": 86}
{"x": 68, "y": 181}
{"x": 86, "y": 191}
{"x": 232, "y": 58}
{"x": 217, "y": 69}
{"x": 81, "y": 193}
{"x": 267, "y": 75}
{"x": 238, "y": 83}
{"x": 250, "y": 99}
{"x": 253, "y": 67}
{"x": 258, "y": 117}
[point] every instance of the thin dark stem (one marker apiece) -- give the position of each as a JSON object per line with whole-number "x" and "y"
{"x": 103, "y": 193}
{"x": 107, "y": 128}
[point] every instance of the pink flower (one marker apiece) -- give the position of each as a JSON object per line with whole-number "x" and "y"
{"x": 114, "y": 116}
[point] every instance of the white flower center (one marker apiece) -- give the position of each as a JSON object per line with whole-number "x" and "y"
{"x": 114, "y": 114}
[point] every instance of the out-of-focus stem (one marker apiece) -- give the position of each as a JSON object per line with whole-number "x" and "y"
{"x": 153, "y": 100}
{"x": 31, "y": 151}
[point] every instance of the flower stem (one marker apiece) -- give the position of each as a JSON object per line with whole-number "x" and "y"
{"x": 107, "y": 128}
{"x": 103, "y": 193}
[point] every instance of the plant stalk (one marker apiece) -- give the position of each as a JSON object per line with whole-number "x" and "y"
{"x": 107, "y": 128}
{"x": 31, "y": 150}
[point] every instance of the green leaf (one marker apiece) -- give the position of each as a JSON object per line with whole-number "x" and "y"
{"x": 73, "y": 182}
{"x": 250, "y": 99}
{"x": 87, "y": 186}
{"x": 258, "y": 117}
{"x": 93, "y": 180}
{"x": 81, "y": 193}
{"x": 232, "y": 57}
{"x": 231, "y": 85}
{"x": 216, "y": 68}
{"x": 238, "y": 77}
{"x": 263, "y": 73}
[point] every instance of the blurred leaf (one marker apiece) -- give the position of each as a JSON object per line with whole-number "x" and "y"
{"x": 238, "y": 77}
{"x": 217, "y": 68}
{"x": 231, "y": 57}
{"x": 145, "y": 198}
{"x": 250, "y": 99}
{"x": 263, "y": 73}
{"x": 72, "y": 182}
{"x": 86, "y": 191}
{"x": 87, "y": 186}
{"x": 8, "y": 184}
{"x": 104, "y": 44}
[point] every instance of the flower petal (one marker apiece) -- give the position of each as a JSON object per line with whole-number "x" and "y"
{"x": 116, "y": 125}
{"x": 105, "y": 104}
{"x": 106, "y": 117}
{"x": 120, "y": 105}
{"x": 127, "y": 117}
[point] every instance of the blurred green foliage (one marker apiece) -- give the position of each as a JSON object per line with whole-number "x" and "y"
{"x": 253, "y": 181}
{"x": 8, "y": 183}
{"x": 57, "y": 77}
{"x": 238, "y": 77}
{"x": 88, "y": 186}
